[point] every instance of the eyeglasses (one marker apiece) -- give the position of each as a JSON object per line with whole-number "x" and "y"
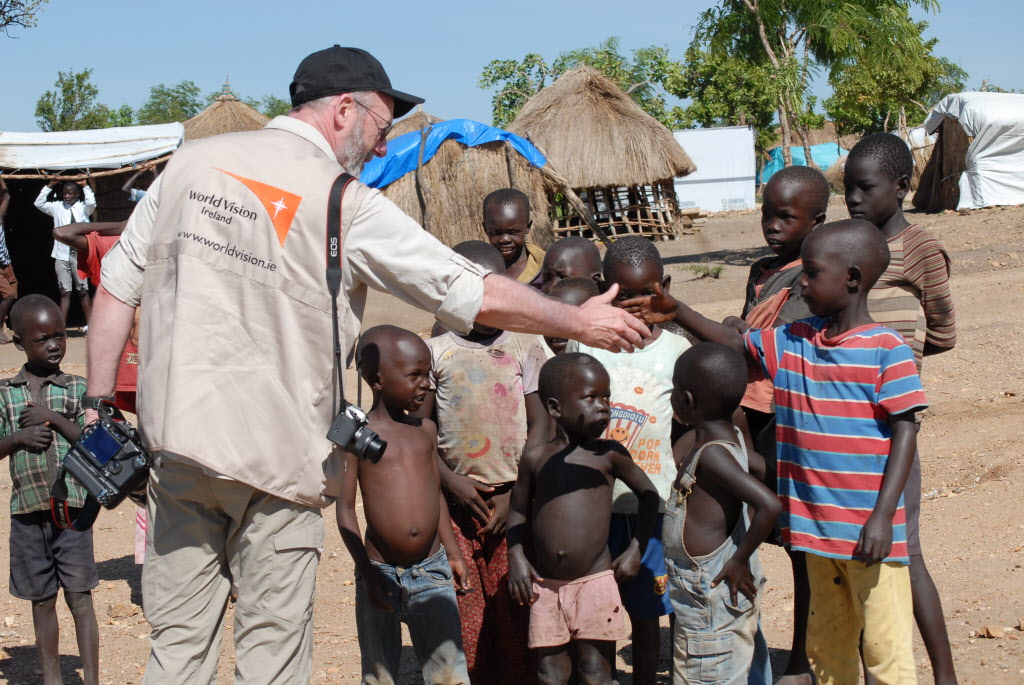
{"x": 381, "y": 132}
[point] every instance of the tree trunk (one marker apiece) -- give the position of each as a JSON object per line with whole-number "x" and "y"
{"x": 787, "y": 154}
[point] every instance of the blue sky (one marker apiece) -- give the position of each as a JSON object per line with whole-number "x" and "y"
{"x": 435, "y": 50}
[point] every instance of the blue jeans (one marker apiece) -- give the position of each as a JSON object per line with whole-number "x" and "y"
{"x": 423, "y": 597}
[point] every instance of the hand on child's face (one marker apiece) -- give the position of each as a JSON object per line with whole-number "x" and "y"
{"x": 658, "y": 307}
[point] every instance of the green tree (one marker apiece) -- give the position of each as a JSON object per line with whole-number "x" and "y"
{"x": 643, "y": 76}
{"x": 891, "y": 86}
{"x": 724, "y": 91}
{"x": 167, "y": 104}
{"x": 516, "y": 82}
{"x": 19, "y": 14}
{"x": 794, "y": 38}
{"x": 273, "y": 106}
{"x": 122, "y": 116}
{"x": 72, "y": 105}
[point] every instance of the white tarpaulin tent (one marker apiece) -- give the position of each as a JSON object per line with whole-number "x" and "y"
{"x": 994, "y": 173}
{"x": 104, "y": 148}
{"x": 726, "y": 168}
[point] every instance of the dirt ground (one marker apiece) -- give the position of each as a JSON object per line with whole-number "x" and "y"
{"x": 971, "y": 524}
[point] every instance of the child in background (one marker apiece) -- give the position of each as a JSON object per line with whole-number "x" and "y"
{"x": 795, "y": 203}
{"x": 562, "y": 504}
{"x": 134, "y": 194}
{"x": 507, "y": 225}
{"x": 710, "y": 539}
{"x": 487, "y": 408}
{"x": 572, "y": 291}
{"x": 8, "y": 281}
{"x": 913, "y": 298}
{"x": 641, "y": 420}
{"x": 846, "y": 390}
{"x": 572, "y": 257}
{"x": 76, "y": 203}
{"x": 41, "y": 416}
{"x": 406, "y": 566}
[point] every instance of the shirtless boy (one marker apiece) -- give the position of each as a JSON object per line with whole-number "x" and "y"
{"x": 562, "y": 502}
{"x": 406, "y": 565}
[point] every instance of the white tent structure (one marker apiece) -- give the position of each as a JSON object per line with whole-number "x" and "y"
{"x": 104, "y": 148}
{"x": 726, "y": 168}
{"x": 994, "y": 161}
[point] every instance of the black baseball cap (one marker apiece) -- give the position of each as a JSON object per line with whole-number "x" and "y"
{"x": 344, "y": 70}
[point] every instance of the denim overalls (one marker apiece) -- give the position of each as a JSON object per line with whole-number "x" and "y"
{"x": 714, "y": 641}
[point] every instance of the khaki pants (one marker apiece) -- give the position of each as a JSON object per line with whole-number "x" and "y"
{"x": 205, "y": 531}
{"x": 849, "y": 600}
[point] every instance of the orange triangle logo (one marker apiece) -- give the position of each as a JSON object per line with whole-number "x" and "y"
{"x": 280, "y": 204}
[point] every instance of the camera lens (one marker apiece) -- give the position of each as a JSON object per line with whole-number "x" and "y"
{"x": 368, "y": 445}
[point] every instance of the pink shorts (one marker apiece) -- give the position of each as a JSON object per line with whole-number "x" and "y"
{"x": 583, "y": 609}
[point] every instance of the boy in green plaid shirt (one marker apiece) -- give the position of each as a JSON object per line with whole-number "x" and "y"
{"x": 41, "y": 415}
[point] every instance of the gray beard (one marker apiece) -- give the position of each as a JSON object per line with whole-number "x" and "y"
{"x": 351, "y": 154}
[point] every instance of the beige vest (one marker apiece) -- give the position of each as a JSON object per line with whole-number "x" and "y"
{"x": 235, "y": 343}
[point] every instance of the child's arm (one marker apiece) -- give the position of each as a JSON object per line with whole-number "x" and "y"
{"x": 345, "y": 513}
{"x": 33, "y": 415}
{"x": 5, "y": 197}
{"x": 130, "y": 183}
{"x": 719, "y": 467}
{"x": 521, "y": 573}
{"x": 444, "y": 525}
{"x": 662, "y": 308}
{"x": 627, "y": 564}
{"x": 536, "y": 421}
{"x": 33, "y": 438}
{"x": 875, "y": 541}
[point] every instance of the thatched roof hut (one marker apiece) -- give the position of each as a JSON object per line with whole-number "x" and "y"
{"x": 619, "y": 159}
{"x": 445, "y": 195}
{"x": 226, "y": 114}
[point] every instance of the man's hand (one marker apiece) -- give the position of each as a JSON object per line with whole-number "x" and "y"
{"x": 460, "y": 574}
{"x": 611, "y": 328}
{"x": 466, "y": 493}
{"x": 521, "y": 576}
{"x": 52, "y": 184}
{"x": 875, "y": 541}
{"x": 627, "y": 564}
{"x": 378, "y": 589}
{"x": 499, "y": 513}
{"x": 81, "y": 183}
{"x": 652, "y": 309}
{"x": 35, "y": 438}
{"x": 738, "y": 578}
{"x": 37, "y": 416}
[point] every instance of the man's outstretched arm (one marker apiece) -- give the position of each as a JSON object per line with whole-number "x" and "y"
{"x": 109, "y": 327}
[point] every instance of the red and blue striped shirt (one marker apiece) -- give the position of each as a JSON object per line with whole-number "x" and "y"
{"x": 833, "y": 400}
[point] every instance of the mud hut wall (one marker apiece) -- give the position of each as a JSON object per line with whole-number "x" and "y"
{"x": 458, "y": 178}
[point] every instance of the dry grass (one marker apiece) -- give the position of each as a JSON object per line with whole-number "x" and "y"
{"x": 597, "y": 137}
{"x": 227, "y": 114}
{"x": 414, "y": 122}
{"x": 835, "y": 173}
{"x": 455, "y": 182}
{"x": 938, "y": 188}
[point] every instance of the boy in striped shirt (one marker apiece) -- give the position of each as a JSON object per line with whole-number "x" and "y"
{"x": 911, "y": 297}
{"x": 846, "y": 390}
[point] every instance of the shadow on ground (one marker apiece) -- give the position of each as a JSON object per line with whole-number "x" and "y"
{"x": 22, "y": 664}
{"x": 732, "y": 257}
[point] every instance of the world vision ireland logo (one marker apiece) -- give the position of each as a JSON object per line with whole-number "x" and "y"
{"x": 280, "y": 204}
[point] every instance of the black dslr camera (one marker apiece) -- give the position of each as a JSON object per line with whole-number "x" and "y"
{"x": 349, "y": 432}
{"x": 109, "y": 460}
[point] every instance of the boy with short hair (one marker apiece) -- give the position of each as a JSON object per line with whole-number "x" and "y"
{"x": 406, "y": 565}
{"x": 913, "y": 298}
{"x": 846, "y": 391}
{"x": 572, "y": 291}
{"x": 76, "y": 203}
{"x": 8, "y": 281}
{"x": 710, "y": 539}
{"x": 641, "y": 419}
{"x": 507, "y": 225}
{"x": 41, "y": 416}
{"x": 570, "y": 257}
{"x": 487, "y": 408}
{"x": 562, "y": 504}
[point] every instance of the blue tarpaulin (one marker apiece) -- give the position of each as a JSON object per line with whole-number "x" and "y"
{"x": 824, "y": 156}
{"x": 403, "y": 151}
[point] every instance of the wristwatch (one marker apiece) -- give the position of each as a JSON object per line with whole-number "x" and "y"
{"x": 96, "y": 402}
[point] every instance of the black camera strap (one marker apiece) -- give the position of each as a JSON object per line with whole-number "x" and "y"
{"x": 334, "y": 275}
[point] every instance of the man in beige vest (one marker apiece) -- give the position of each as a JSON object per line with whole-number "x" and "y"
{"x": 228, "y": 251}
